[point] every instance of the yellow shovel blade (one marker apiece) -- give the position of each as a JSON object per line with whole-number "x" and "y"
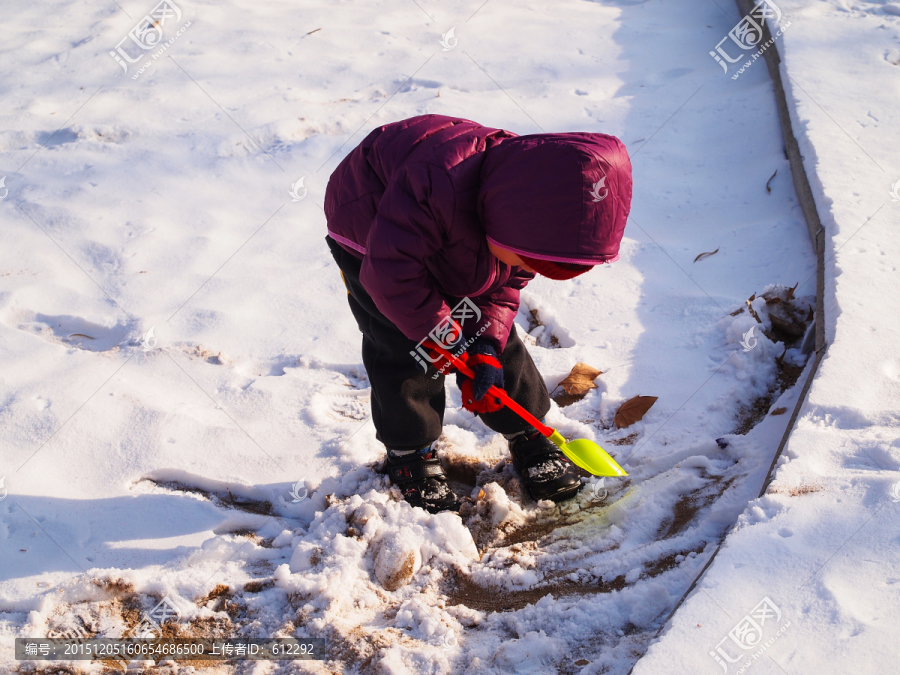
{"x": 588, "y": 455}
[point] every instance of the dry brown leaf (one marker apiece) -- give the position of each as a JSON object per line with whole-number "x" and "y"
{"x": 753, "y": 311}
{"x": 81, "y": 335}
{"x": 705, "y": 255}
{"x": 633, "y": 410}
{"x": 580, "y": 379}
{"x": 790, "y": 291}
{"x": 778, "y": 411}
{"x": 576, "y": 384}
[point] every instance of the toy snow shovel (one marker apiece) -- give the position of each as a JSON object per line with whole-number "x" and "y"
{"x": 584, "y": 453}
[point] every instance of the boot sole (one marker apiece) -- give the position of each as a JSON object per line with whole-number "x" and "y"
{"x": 559, "y": 495}
{"x": 434, "y": 509}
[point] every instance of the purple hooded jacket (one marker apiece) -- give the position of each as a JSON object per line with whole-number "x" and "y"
{"x": 418, "y": 200}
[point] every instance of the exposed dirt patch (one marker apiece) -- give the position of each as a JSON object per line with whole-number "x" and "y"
{"x": 258, "y": 585}
{"x": 627, "y": 440}
{"x": 478, "y": 516}
{"x": 225, "y": 499}
{"x": 689, "y": 506}
{"x": 127, "y": 609}
{"x": 539, "y": 331}
{"x": 463, "y": 470}
{"x": 795, "y": 490}
{"x": 116, "y": 588}
{"x": 749, "y": 416}
{"x": 789, "y": 318}
{"x": 354, "y": 649}
{"x": 462, "y": 590}
{"x": 533, "y": 532}
{"x": 217, "y": 592}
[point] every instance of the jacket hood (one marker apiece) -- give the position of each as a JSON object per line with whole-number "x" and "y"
{"x": 562, "y": 197}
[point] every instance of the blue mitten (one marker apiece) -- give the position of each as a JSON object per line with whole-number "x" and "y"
{"x": 482, "y": 358}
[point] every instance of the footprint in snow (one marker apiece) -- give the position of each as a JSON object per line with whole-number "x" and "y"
{"x": 538, "y": 326}
{"x": 73, "y": 331}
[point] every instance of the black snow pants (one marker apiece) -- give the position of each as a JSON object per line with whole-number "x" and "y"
{"x": 407, "y": 404}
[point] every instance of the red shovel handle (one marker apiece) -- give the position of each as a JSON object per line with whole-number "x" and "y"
{"x": 494, "y": 391}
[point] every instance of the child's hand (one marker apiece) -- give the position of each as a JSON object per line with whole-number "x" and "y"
{"x": 481, "y": 358}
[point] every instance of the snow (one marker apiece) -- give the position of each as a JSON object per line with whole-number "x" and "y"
{"x": 231, "y": 465}
{"x": 821, "y": 544}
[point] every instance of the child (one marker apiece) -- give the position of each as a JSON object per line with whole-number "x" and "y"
{"x": 436, "y": 224}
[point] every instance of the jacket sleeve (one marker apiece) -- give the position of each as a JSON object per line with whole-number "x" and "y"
{"x": 407, "y": 229}
{"x": 500, "y": 308}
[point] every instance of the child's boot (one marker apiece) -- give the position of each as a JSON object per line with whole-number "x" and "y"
{"x": 421, "y": 478}
{"x": 544, "y": 469}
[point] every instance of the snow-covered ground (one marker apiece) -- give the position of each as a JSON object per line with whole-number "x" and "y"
{"x": 822, "y": 543}
{"x": 163, "y": 202}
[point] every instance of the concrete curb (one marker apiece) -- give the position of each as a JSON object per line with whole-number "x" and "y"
{"x": 810, "y": 214}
